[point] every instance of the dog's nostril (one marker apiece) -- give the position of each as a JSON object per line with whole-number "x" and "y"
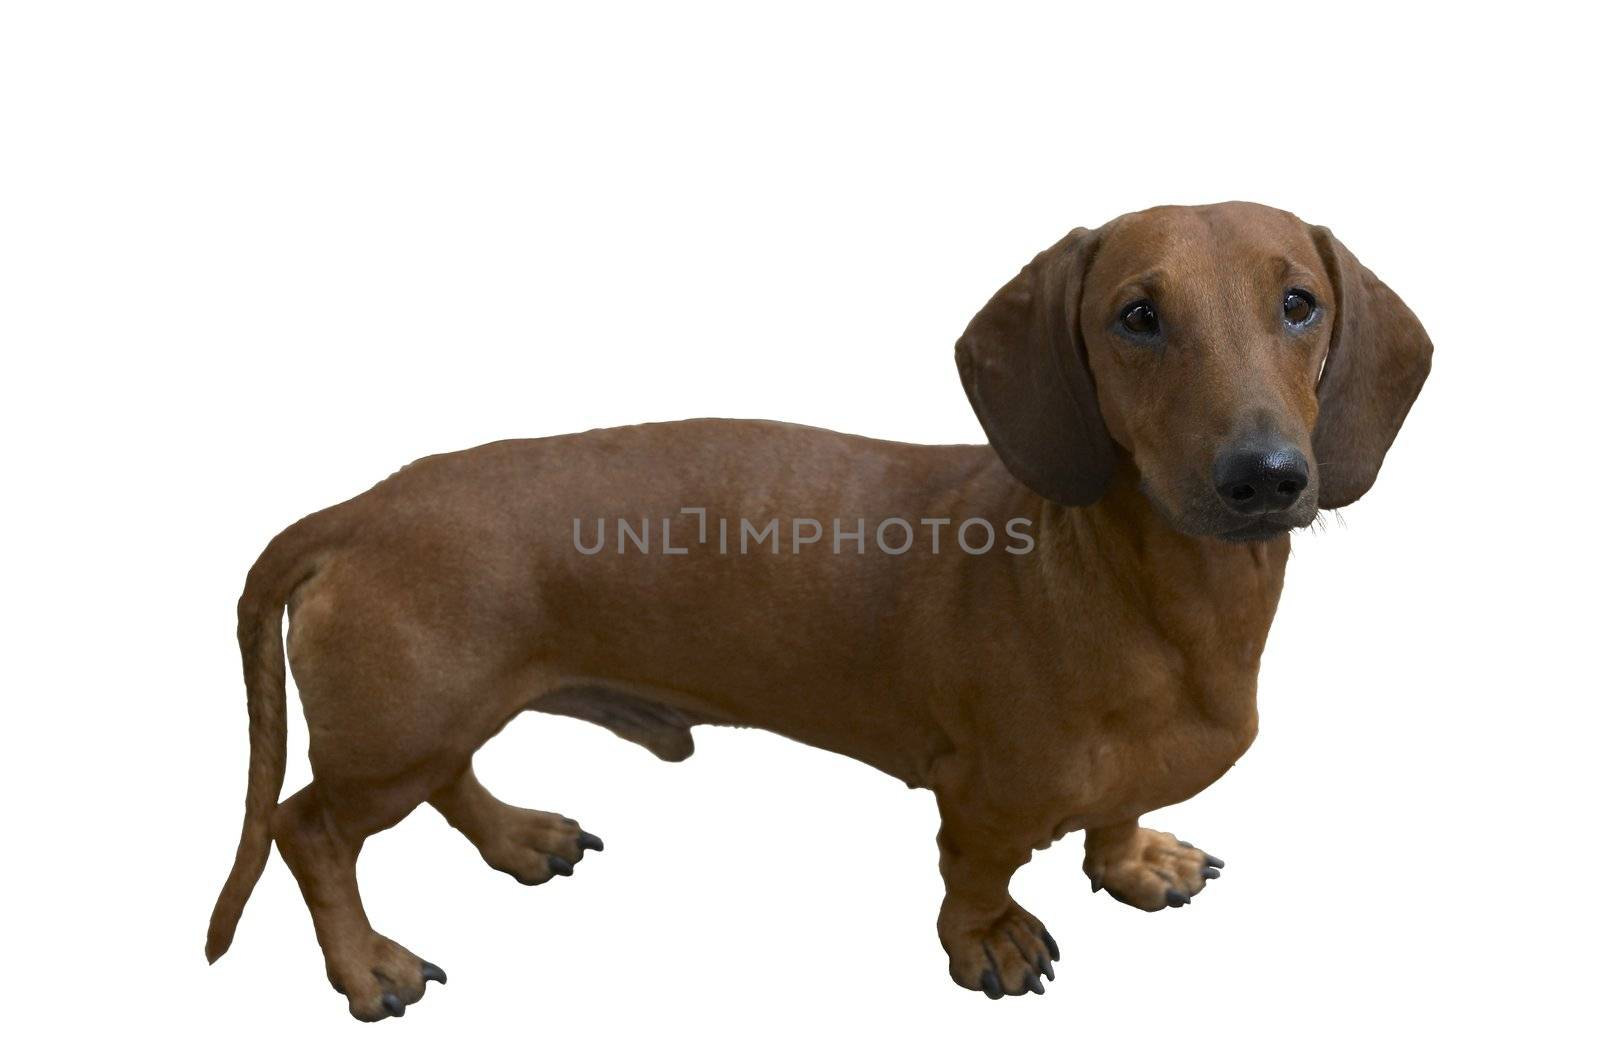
{"x": 1261, "y": 478}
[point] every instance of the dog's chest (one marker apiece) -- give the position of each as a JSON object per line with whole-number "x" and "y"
{"x": 1151, "y": 724}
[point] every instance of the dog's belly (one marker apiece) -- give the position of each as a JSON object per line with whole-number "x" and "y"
{"x": 645, "y": 719}
{"x": 888, "y": 734}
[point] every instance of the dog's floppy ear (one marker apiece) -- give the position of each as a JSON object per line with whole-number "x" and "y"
{"x": 1027, "y": 377}
{"x": 1378, "y": 358}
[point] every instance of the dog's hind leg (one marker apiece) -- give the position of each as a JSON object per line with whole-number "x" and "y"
{"x": 534, "y": 846}
{"x": 531, "y": 846}
{"x": 320, "y": 831}
{"x": 392, "y": 705}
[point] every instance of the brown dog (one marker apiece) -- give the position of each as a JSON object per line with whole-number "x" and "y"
{"x": 1167, "y": 396}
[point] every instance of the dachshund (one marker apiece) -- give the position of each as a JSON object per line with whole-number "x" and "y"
{"x": 1055, "y": 632}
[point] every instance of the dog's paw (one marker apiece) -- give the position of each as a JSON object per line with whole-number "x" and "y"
{"x": 1151, "y": 870}
{"x": 1004, "y": 956}
{"x": 379, "y": 977}
{"x": 535, "y": 846}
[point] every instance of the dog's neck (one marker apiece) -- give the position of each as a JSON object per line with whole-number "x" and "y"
{"x": 1204, "y": 595}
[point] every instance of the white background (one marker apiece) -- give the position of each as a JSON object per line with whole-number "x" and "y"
{"x": 255, "y": 257}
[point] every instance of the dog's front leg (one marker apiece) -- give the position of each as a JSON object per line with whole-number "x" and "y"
{"x": 1145, "y": 868}
{"x": 995, "y": 946}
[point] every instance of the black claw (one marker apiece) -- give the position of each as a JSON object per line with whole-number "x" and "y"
{"x": 1176, "y": 898}
{"x": 1094, "y": 885}
{"x": 991, "y": 985}
{"x": 1032, "y": 981}
{"x": 589, "y": 842}
{"x": 430, "y": 972}
{"x": 1047, "y": 968}
{"x": 560, "y": 866}
{"x": 1210, "y": 873}
{"x": 1213, "y": 861}
{"x": 392, "y": 1004}
{"x": 1050, "y": 942}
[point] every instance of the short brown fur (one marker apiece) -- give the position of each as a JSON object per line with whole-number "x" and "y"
{"x": 1109, "y": 671}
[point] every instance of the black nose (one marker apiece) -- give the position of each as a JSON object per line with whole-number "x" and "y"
{"x": 1254, "y": 478}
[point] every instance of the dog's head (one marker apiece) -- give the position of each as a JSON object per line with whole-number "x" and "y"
{"x": 1247, "y": 364}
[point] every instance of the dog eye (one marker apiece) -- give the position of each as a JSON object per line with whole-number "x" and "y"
{"x": 1140, "y": 318}
{"x": 1298, "y": 306}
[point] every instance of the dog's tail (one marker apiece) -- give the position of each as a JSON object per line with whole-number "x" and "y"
{"x": 288, "y": 560}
